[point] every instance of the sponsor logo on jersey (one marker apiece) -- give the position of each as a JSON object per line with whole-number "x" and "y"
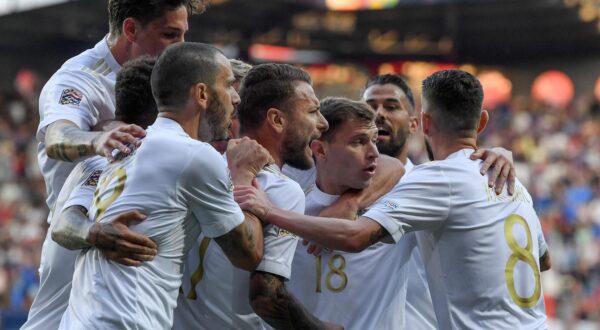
{"x": 391, "y": 204}
{"x": 92, "y": 180}
{"x": 282, "y": 232}
{"x": 70, "y": 96}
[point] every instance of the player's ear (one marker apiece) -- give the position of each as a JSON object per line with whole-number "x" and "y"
{"x": 413, "y": 124}
{"x": 483, "y": 120}
{"x": 130, "y": 29}
{"x": 199, "y": 93}
{"x": 276, "y": 120}
{"x": 318, "y": 149}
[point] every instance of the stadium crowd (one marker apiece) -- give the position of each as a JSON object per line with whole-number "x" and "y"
{"x": 556, "y": 153}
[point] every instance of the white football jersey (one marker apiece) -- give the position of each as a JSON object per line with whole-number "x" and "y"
{"x": 57, "y": 263}
{"x": 419, "y": 314}
{"x": 81, "y": 91}
{"x": 481, "y": 251}
{"x": 214, "y": 293}
{"x": 305, "y": 178}
{"x": 363, "y": 290}
{"x": 184, "y": 187}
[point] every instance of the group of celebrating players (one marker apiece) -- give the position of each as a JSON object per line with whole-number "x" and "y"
{"x": 178, "y": 203}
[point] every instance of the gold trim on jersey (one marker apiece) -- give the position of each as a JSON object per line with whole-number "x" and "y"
{"x": 99, "y": 68}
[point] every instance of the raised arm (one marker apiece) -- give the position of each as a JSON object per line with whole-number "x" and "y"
{"x": 65, "y": 141}
{"x": 275, "y": 305}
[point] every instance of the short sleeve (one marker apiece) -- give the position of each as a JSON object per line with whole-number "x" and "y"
{"x": 72, "y": 96}
{"x": 83, "y": 192}
{"x": 279, "y": 244}
{"x": 207, "y": 188}
{"x": 420, "y": 201}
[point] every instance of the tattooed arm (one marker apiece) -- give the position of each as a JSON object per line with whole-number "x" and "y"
{"x": 73, "y": 230}
{"x": 67, "y": 142}
{"x": 273, "y": 303}
{"x": 244, "y": 244}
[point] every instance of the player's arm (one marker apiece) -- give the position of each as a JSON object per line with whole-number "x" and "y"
{"x": 243, "y": 245}
{"x": 273, "y": 303}
{"x": 388, "y": 173}
{"x": 65, "y": 141}
{"x": 333, "y": 233}
{"x": 74, "y": 230}
{"x": 545, "y": 263}
{"x": 498, "y": 164}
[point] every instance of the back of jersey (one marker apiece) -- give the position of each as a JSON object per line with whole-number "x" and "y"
{"x": 483, "y": 260}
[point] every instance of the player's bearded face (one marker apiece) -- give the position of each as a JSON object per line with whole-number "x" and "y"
{"x": 218, "y": 115}
{"x": 396, "y": 139}
{"x": 304, "y": 124}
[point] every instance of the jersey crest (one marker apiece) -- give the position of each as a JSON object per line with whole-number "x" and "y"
{"x": 70, "y": 96}
{"x": 92, "y": 180}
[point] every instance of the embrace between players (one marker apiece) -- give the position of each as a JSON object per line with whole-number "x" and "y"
{"x": 149, "y": 233}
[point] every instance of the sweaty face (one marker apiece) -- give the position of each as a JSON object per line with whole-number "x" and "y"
{"x": 222, "y": 101}
{"x": 152, "y": 38}
{"x": 350, "y": 157}
{"x": 304, "y": 124}
{"x": 393, "y": 117}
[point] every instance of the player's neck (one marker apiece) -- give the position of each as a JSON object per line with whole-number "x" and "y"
{"x": 403, "y": 156}
{"x": 189, "y": 125}
{"x": 120, "y": 49}
{"x": 272, "y": 145}
{"x": 443, "y": 146}
{"x": 326, "y": 183}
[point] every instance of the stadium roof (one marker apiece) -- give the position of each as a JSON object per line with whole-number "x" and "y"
{"x": 480, "y": 32}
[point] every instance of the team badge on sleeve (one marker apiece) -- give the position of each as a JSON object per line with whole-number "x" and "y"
{"x": 391, "y": 204}
{"x": 70, "y": 96}
{"x": 92, "y": 180}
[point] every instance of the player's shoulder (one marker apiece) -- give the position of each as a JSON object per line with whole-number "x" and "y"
{"x": 273, "y": 177}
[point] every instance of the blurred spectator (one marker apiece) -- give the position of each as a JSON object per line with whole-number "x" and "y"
{"x": 556, "y": 153}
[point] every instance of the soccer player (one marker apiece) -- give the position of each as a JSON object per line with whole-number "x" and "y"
{"x": 279, "y": 109}
{"x": 396, "y": 120}
{"x": 135, "y": 105}
{"x": 329, "y": 284}
{"x": 483, "y": 252}
{"x": 240, "y": 70}
{"x": 183, "y": 187}
{"x": 77, "y": 104}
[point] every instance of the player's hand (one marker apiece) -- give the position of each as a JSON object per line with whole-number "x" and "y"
{"x": 253, "y": 200}
{"x": 245, "y": 158}
{"x": 120, "y": 244}
{"x": 314, "y": 248}
{"x": 117, "y": 138}
{"x": 498, "y": 163}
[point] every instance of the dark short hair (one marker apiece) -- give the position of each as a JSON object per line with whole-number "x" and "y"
{"x": 339, "y": 110}
{"x": 456, "y": 97}
{"x": 134, "y": 101}
{"x": 146, "y": 11}
{"x": 269, "y": 85}
{"x": 396, "y": 80}
{"x": 181, "y": 66}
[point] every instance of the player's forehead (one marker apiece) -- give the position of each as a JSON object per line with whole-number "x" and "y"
{"x": 305, "y": 94}
{"x": 175, "y": 19}
{"x": 355, "y": 128}
{"x": 225, "y": 71}
{"x": 383, "y": 92}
